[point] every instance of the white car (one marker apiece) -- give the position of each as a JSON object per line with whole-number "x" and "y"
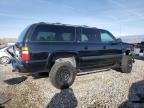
{"x": 5, "y": 57}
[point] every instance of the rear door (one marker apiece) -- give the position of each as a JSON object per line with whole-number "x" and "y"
{"x": 112, "y": 49}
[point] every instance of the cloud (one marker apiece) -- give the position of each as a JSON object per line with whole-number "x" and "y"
{"x": 130, "y": 12}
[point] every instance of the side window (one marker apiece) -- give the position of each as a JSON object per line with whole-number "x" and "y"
{"x": 89, "y": 35}
{"x": 46, "y": 36}
{"x": 54, "y": 33}
{"x": 84, "y": 38}
{"x": 67, "y": 36}
{"x": 106, "y": 37}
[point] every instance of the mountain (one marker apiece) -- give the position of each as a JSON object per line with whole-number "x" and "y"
{"x": 132, "y": 38}
{"x": 7, "y": 40}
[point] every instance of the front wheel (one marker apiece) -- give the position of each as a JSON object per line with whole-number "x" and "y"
{"x": 126, "y": 65}
{"x": 62, "y": 75}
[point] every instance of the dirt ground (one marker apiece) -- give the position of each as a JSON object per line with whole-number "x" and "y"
{"x": 101, "y": 89}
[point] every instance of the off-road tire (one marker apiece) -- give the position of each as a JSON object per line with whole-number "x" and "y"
{"x": 62, "y": 75}
{"x": 126, "y": 64}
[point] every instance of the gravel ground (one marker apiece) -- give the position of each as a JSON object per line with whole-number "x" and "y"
{"x": 106, "y": 89}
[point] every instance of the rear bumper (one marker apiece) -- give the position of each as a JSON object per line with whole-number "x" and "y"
{"x": 28, "y": 66}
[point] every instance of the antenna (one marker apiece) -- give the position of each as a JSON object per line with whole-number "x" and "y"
{"x": 120, "y": 29}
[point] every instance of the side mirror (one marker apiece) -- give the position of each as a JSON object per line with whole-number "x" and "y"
{"x": 119, "y": 40}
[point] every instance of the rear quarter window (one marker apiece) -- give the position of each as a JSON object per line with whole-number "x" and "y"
{"x": 52, "y": 33}
{"x": 42, "y": 36}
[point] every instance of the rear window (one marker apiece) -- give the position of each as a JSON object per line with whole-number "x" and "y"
{"x": 22, "y": 34}
{"x": 53, "y": 33}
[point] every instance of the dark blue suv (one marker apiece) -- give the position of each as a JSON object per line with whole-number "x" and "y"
{"x": 62, "y": 50}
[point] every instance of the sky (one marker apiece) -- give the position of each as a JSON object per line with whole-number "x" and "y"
{"x": 120, "y": 17}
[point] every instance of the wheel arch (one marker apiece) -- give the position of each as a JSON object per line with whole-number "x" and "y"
{"x": 127, "y": 51}
{"x": 66, "y": 56}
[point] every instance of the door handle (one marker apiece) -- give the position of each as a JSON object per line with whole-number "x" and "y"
{"x": 86, "y": 47}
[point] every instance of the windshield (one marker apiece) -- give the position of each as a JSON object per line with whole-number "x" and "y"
{"x": 22, "y": 34}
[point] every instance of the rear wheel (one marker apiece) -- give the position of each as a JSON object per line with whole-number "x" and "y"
{"x": 62, "y": 75}
{"x": 4, "y": 60}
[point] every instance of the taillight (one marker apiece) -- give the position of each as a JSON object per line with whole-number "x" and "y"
{"x": 25, "y": 53}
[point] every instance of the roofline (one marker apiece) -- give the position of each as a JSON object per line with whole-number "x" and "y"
{"x": 60, "y": 24}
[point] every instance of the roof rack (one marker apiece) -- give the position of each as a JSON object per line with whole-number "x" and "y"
{"x": 58, "y": 23}
{"x": 85, "y": 26}
{"x": 42, "y": 23}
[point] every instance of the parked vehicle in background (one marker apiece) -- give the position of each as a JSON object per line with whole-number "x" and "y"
{"x": 136, "y": 49}
{"x": 141, "y": 45}
{"x": 61, "y": 49}
{"x": 5, "y": 57}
